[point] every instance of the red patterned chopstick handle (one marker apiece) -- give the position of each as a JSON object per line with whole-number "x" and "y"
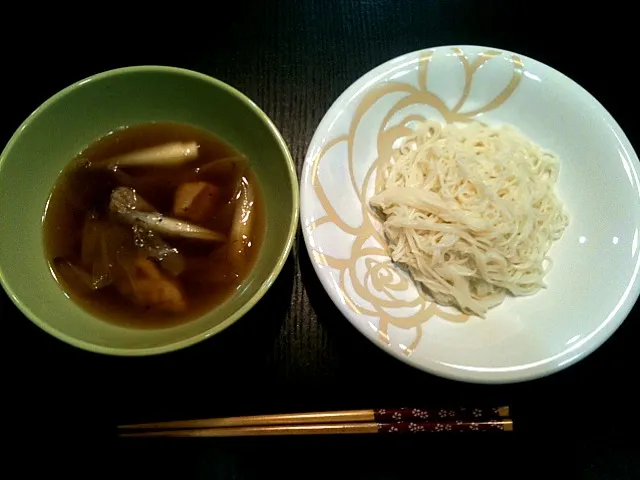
{"x": 436, "y": 414}
{"x": 445, "y": 426}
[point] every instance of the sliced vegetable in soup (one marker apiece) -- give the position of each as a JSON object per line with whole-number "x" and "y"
{"x": 154, "y": 224}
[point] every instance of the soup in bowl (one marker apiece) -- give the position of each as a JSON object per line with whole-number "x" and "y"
{"x": 144, "y": 209}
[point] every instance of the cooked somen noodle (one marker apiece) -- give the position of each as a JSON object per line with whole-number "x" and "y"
{"x": 471, "y": 211}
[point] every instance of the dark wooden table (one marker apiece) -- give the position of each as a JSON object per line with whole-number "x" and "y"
{"x": 294, "y": 351}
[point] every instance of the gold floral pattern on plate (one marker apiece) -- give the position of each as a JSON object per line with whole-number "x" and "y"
{"x": 370, "y": 283}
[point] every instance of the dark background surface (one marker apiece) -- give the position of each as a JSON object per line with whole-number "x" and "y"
{"x": 294, "y": 351}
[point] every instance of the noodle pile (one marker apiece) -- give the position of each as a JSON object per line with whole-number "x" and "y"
{"x": 471, "y": 211}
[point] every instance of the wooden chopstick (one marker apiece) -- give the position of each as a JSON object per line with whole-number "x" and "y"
{"x": 504, "y": 425}
{"x": 342, "y": 416}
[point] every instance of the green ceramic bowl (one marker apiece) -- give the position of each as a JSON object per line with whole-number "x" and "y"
{"x": 64, "y": 125}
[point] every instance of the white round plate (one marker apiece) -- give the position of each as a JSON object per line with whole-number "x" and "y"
{"x": 594, "y": 280}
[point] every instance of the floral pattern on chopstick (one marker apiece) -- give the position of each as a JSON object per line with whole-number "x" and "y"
{"x": 422, "y": 414}
{"x": 445, "y": 426}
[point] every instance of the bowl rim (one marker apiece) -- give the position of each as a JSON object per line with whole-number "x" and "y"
{"x": 578, "y": 350}
{"x": 266, "y": 283}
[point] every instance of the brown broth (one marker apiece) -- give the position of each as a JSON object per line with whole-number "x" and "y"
{"x": 209, "y": 277}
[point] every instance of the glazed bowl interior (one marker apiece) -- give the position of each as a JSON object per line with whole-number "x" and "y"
{"x": 64, "y": 125}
